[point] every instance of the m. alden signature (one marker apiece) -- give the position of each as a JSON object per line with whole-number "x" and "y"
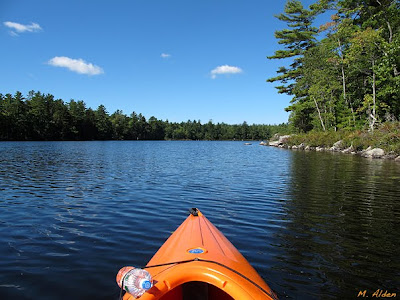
{"x": 377, "y": 294}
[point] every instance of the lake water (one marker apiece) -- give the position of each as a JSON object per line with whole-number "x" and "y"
{"x": 314, "y": 225}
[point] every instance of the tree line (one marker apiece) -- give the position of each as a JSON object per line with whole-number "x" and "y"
{"x": 344, "y": 74}
{"x": 40, "y": 116}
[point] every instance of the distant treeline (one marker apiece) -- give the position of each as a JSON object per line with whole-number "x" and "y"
{"x": 42, "y": 117}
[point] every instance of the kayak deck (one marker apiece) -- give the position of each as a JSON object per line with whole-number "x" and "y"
{"x": 198, "y": 262}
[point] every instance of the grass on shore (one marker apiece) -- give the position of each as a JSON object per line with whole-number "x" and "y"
{"x": 386, "y": 136}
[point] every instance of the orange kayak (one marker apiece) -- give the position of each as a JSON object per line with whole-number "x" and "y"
{"x": 198, "y": 262}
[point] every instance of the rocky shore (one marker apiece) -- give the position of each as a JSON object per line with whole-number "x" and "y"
{"x": 283, "y": 142}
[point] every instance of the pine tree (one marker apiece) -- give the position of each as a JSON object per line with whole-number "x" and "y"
{"x": 296, "y": 39}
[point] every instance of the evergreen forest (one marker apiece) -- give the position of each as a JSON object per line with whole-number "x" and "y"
{"x": 42, "y": 117}
{"x": 345, "y": 73}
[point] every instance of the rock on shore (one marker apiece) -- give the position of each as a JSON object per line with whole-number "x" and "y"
{"x": 281, "y": 141}
{"x": 374, "y": 153}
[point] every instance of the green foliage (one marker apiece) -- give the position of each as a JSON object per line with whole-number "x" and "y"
{"x": 41, "y": 117}
{"x": 386, "y": 136}
{"x": 296, "y": 39}
{"x": 316, "y": 138}
{"x": 103, "y": 124}
{"x": 350, "y": 76}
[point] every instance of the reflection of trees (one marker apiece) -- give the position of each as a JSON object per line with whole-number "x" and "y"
{"x": 341, "y": 233}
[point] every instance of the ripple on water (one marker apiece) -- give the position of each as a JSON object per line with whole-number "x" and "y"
{"x": 314, "y": 225}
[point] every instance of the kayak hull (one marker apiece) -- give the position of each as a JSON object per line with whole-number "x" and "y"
{"x": 198, "y": 262}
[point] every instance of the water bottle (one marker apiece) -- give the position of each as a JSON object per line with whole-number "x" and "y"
{"x": 135, "y": 281}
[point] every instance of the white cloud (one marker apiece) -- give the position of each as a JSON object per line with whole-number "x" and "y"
{"x": 20, "y": 28}
{"x": 225, "y": 69}
{"x": 75, "y": 65}
{"x": 165, "y": 55}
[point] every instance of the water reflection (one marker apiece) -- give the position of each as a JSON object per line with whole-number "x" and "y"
{"x": 341, "y": 236}
{"x": 314, "y": 225}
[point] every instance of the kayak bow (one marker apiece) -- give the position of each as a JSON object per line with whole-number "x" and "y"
{"x": 198, "y": 262}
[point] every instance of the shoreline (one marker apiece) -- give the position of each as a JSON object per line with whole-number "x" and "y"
{"x": 370, "y": 152}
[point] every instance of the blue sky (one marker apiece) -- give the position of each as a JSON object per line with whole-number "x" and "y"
{"x": 176, "y": 60}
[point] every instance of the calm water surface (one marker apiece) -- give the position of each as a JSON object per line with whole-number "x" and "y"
{"x": 314, "y": 225}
